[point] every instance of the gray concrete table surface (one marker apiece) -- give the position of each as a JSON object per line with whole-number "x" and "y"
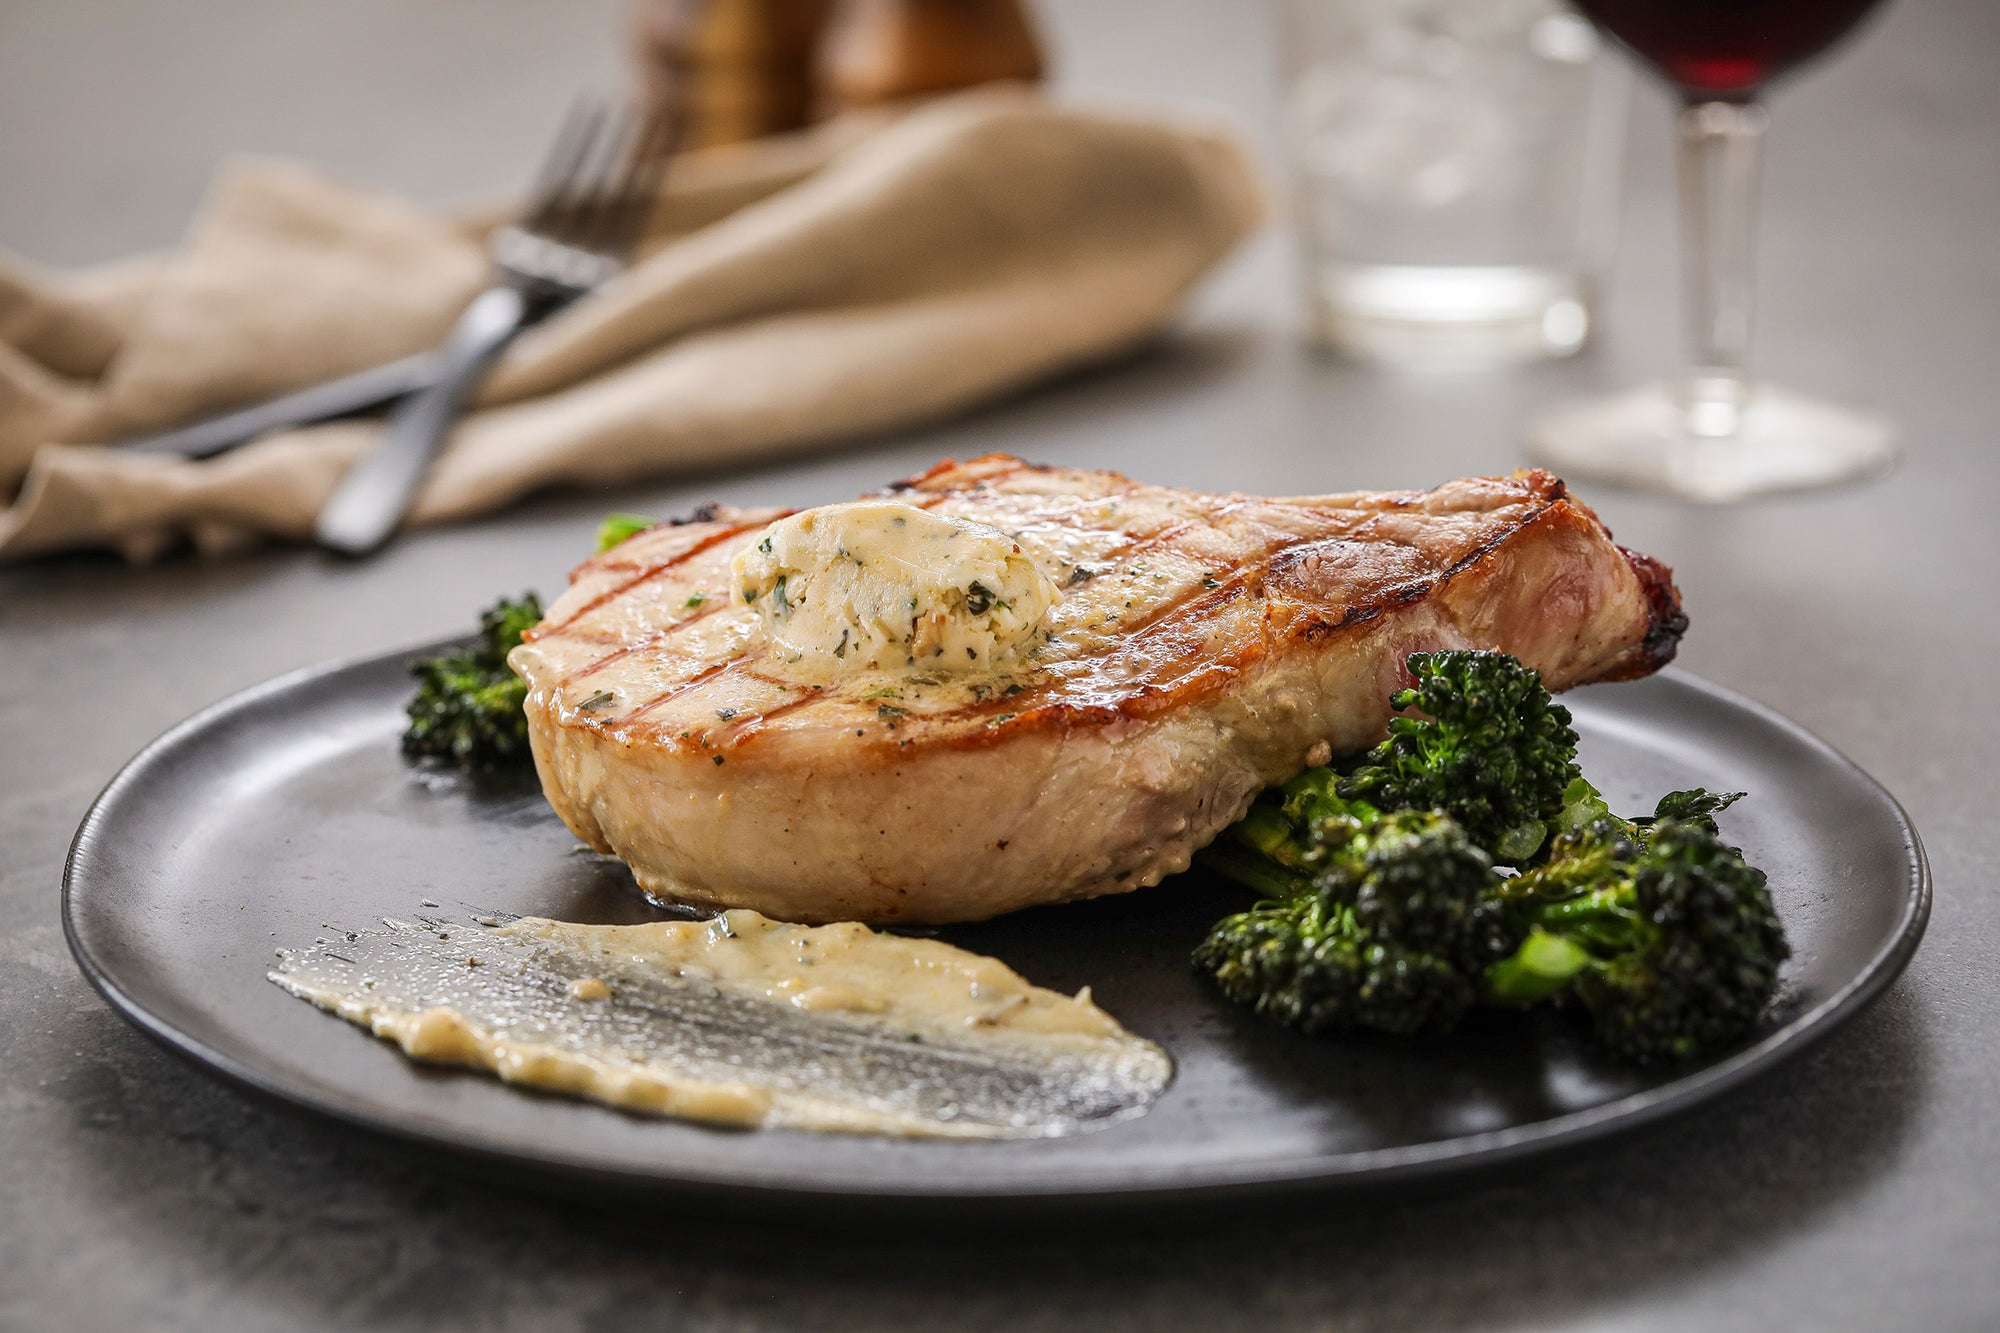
{"x": 1857, "y": 1189}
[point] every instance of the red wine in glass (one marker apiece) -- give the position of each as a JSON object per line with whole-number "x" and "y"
{"x": 1725, "y": 48}
{"x": 1713, "y": 433}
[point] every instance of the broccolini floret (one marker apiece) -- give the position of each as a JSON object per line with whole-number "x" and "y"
{"x": 1664, "y": 934}
{"x": 1495, "y": 753}
{"x": 468, "y": 707}
{"x": 1491, "y": 749}
{"x": 1387, "y": 933}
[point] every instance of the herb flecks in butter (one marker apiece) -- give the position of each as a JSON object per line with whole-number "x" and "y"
{"x": 878, "y": 585}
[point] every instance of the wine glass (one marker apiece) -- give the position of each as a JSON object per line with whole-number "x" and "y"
{"x": 1715, "y": 435}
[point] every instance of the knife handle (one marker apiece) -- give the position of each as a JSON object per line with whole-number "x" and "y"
{"x": 346, "y": 396}
{"x": 368, "y": 505}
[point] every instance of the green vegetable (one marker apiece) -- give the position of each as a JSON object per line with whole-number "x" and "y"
{"x": 1694, "y": 806}
{"x": 468, "y": 707}
{"x": 615, "y": 528}
{"x": 1492, "y": 750}
{"x": 1663, "y": 933}
{"x": 1381, "y": 908}
{"x": 1388, "y": 935}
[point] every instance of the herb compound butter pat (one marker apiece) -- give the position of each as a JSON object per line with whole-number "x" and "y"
{"x": 879, "y": 585}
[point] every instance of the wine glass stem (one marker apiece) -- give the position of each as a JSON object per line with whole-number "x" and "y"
{"x": 1720, "y": 151}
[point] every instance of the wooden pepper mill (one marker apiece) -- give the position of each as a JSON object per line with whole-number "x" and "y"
{"x": 740, "y": 69}
{"x": 887, "y": 50}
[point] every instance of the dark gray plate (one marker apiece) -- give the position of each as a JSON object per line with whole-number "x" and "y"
{"x": 287, "y": 809}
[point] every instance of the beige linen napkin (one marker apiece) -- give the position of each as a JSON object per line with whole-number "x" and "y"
{"x": 877, "y": 272}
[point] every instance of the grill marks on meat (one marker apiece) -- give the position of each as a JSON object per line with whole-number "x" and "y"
{"x": 1233, "y": 576}
{"x": 1218, "y": 635}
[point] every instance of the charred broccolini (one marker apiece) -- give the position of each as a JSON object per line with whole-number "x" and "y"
{"x": 1374, "y": 917}
{"x": 1490, "y": 748}
{"x": 1493, "y": 751}
{"x": 1388, "y": 934}
{"x": 1663, "y": 933}
{"x": 468, "y": 706}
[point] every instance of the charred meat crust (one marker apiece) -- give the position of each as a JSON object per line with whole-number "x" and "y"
{"x": 1217, "y": 641}
{"x": 643, "y": 574}
{"x": 916, "y": 479}
{"x": 1667, "y": 621}
{"x": 1549, "y": 493}
{"x": 986, "y": 464}
{"x": 1180, "y": 633}
{"x": 1550, "y": 502}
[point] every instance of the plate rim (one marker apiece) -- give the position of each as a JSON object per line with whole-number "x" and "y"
{"x": 1366, "y": 1169}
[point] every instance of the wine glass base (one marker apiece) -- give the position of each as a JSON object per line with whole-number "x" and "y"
{"x": 1782, "y": 442}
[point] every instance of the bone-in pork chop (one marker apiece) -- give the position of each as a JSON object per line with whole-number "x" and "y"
{"x": 1185, "y": 651}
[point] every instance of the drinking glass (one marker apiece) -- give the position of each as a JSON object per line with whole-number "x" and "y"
{"x": 1714, "y": 434}
{"x": 1454, "y": 168}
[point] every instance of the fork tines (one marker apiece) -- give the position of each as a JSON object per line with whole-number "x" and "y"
{"x": 599, "y": 183}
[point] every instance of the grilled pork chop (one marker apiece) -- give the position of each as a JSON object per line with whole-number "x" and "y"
{"x": 1201, "y": 647}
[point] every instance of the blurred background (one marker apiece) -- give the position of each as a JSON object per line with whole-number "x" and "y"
{"x": 119, "y": 115}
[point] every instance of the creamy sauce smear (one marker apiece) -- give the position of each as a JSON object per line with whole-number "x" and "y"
{"x": 742, "y": 1020}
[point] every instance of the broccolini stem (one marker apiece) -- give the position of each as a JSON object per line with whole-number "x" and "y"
{"x": 1266, "y": 830}
{"x": 1253, "y": 871}
{"x": 1599, "y": 906}
{"x": 1542, "y": 966}
{"x": 1312, "y": 796}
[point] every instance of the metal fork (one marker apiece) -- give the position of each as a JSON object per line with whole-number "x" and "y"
{"x": 595, "y": 190}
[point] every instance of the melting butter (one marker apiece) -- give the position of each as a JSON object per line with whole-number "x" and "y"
{"x": 742, "y": 1021}
{"x": 877, "y": 585}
